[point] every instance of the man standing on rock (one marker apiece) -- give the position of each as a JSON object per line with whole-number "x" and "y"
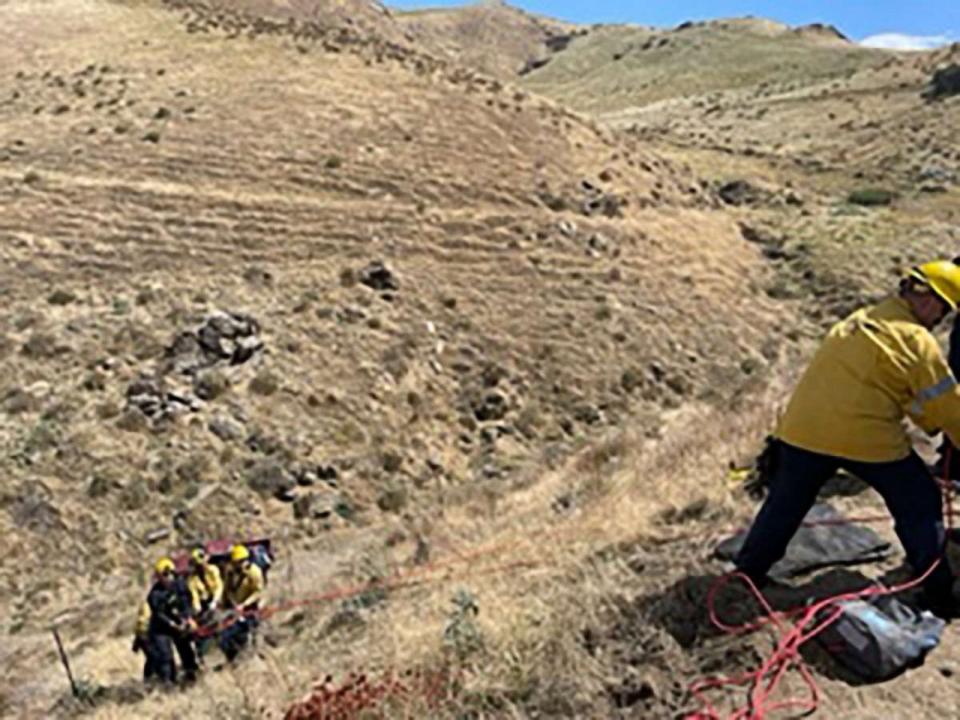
{"x": 880, "y": 364}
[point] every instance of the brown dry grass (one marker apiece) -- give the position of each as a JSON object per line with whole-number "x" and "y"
{"x": 639, "y": 355}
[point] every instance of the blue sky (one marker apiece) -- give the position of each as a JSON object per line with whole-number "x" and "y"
{"x": 926, "y": 22}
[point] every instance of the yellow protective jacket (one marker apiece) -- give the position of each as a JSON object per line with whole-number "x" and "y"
{"x": 205, "y": 586}
{"x": 143, "y": 620}
{"x": 243, "y": 588}
{"x": 874, "y": 368}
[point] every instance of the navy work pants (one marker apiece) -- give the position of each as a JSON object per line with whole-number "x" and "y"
{"x": 159, "y": 661}
{"x": 235, "y": 637}
{"x": 909, "y": 491}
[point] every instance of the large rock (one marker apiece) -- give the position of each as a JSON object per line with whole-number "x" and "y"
{"x": 945, "y": 82}
{"x": 224, "y": 338}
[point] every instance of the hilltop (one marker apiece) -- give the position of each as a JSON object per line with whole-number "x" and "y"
{"x": 491, "y": 36}
{"x": 614, "y": 67}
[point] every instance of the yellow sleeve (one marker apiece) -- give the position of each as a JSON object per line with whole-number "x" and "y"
{"x": 196, "y": 592}
{"x": 254, "y": 580}
{"x": 214, "y": 583}
{"x": 935, "y": 403}
{"x": 143, "y": 620}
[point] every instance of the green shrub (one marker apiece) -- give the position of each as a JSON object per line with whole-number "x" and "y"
{"x": 871, "y": 197}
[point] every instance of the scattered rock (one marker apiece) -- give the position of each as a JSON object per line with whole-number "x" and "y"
{"x": 265, "y": 383}
{"x": 587, "y": 413}
{"x": 18, "y": 400}
{"x": 379, "y": 277}
{"x": 606, "y": 204}
{"x": 156, "y": 535}
{"x": 936, "y": 175}
{"x": 132, "y": 420}
{"x": 225, "y": 428}
{"x": 393, "y": 499}
{"x": 328, "y": 473}
{"x": 224, "y": 338}
{"x": 61, "y": 297}
{"x": 739, "y": 192}
{"x": 311, "y": 506}
{"x": 270, "y": 478}
{"x": 598, "y": 243}
{"x": 493, "y": 406}
{"x": 265, "y": 444}
{"x": 152, "y": 137}
{"x": 42, "y": 345}
{"x": 631, "y": 379}
{"x": 258, "y": 276}
{"x": 680, "y": 384}
{"x": 135, "y": 496}
{"x": 150, "y": 396}
{"x": 99, "y": 486}
{"x": 210, "y": 384}
{"x": 312, "y": 474}
{"x": 31, "y": 509}
{"x": 391, "y": 461}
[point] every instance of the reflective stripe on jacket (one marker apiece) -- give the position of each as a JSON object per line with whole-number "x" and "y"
{"x": 874, "y": 368}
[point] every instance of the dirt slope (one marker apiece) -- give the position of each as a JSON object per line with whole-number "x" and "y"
{"x": 544, "y": 282}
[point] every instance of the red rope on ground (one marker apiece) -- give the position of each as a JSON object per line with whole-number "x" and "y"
{"x": 763, "y": 682}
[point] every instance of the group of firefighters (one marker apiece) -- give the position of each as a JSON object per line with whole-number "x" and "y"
{"x": 192, "y": 611}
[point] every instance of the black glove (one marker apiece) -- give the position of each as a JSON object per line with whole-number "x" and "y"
{"x": 764, "y": 468}
{"x": 138, "y": 644}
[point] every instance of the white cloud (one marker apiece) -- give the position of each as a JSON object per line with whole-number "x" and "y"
{"x": 900, "y": 41}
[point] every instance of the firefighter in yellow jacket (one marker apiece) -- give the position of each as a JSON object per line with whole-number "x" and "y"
{"x": 874, "y": 368}
{"x": 242, "y": 594}
{"x": 204, "y": 583}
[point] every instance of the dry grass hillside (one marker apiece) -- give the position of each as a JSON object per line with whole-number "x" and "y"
{"x": 299, "y": 269}
{"x": 617, "y": 67}
{"x": 781, "y": 119}
{"x": 442, "y": 286}
{"x": 492, "y": 36}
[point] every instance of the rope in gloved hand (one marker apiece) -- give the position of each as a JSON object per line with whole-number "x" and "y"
{"x": 763, "y": 682}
